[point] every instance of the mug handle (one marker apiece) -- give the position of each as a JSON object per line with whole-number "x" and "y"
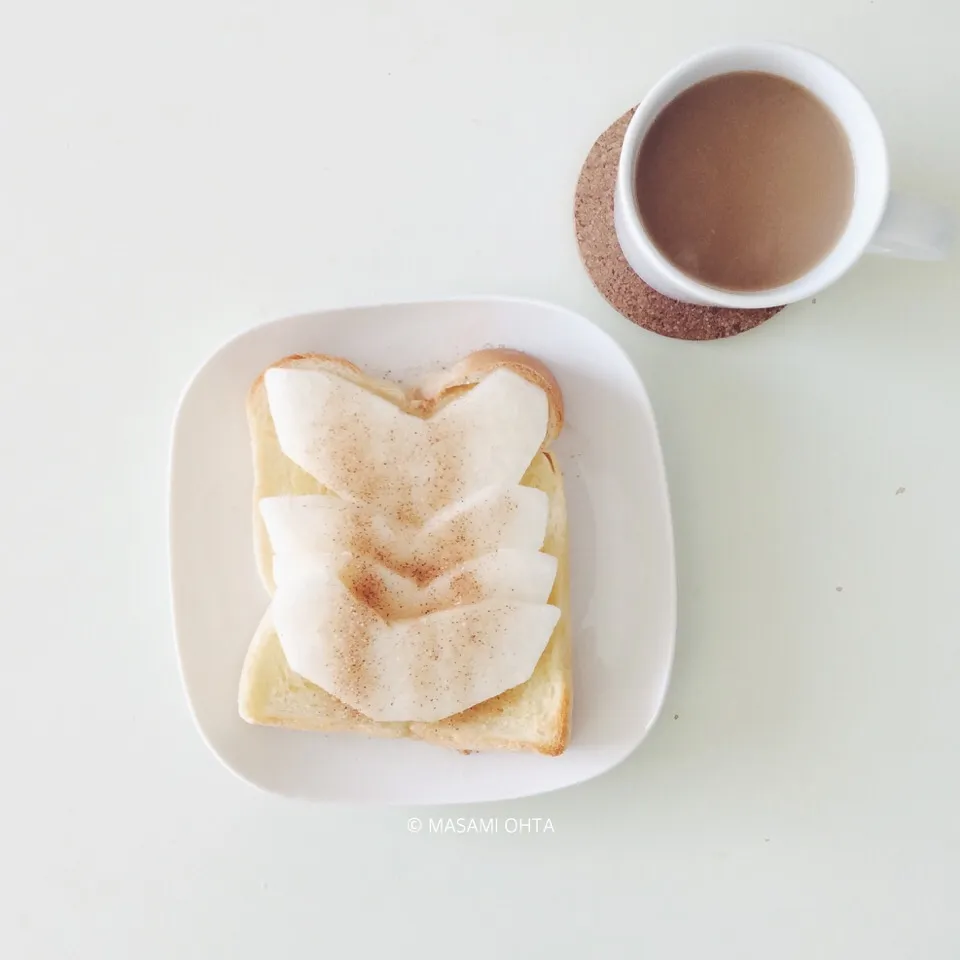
{"x": 913, "y": 229}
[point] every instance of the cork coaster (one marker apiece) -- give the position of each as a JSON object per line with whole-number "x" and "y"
{"x": 612, "y": 275}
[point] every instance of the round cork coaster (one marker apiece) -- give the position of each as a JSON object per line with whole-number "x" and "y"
{"x": 612, "y": 275}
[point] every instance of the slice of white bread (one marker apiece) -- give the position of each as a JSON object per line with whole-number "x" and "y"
{"x": 534, "y": 716}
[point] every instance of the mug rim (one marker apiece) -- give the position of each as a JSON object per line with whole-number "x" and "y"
{"x": 652, "y": 105}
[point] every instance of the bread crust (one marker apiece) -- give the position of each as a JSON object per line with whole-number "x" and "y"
{"x": 425, "y": 399}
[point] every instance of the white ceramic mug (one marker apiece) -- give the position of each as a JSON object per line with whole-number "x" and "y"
{"x": 879, "y": 222}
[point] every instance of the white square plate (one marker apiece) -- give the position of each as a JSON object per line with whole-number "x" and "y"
{"x": 622, "y": 566}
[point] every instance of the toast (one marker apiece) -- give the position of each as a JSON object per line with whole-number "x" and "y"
{"x": 534, "y": 716}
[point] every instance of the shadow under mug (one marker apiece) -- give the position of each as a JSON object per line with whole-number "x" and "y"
{"x": 880, "y": 222}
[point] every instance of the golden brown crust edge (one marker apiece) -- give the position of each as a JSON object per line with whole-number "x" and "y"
{"x": 550, "y": 748}
{"x": 424, "y": 399}
{"x": 475, "y": 366}
{"x": 557, "y": 746}
{"x": 291, "y": 360}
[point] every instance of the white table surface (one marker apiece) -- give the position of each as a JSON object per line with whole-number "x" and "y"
{"x": 173, "y": 173}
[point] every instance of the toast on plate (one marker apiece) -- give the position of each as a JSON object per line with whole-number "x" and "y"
{"x": 530, "y": 715}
